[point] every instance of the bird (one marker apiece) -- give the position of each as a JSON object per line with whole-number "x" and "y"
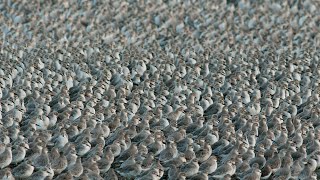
{"x": 297, "y": 168}
{"x": 215, "y": 108}
{"x": 130, "y": 170}
{"x": 42, "y": 173}
{"x": 308, "y": 169}
{"x": 274, "y": 162}
{"x": 283, "y": 172}
{"x": 153, "y": 174}
{"x": 130, "y": 161}
{"x": 83, "y": 147}
{"x": 157, "y": 146}
{"x": 19, "y": 153}
{"x": 260, "y": 159}
{"x": 178, "y": 161}
{"x": 190, "y": 168}
{"x": 6, "y": 174}
{"x": 66, "y": 175}
{"x": 173, "y": 171}
{"x": 203, "y": 176}
{"x": 122, "y": 90}
{"x": 59, "y": 164}
{"x": 23, "y": 170}
{"x": 204, "y": 153}
{"x": 76, "y": 169}
{"x": 111, "y": 174}
{"x": 266, "y": 172}
{"x": 105, "y": 162}
{"x": 227, "y": 168}
{"x": 189, "y": 153}
{"x": 169, "y": 152}
{"x": 209, "y": 166}
{"x": 6, "y": 157}
{"x": 255, "y": 174}
{"x": 132, "y": 150}
{"x": 41, "y": 160}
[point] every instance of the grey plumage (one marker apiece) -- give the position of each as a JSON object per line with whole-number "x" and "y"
{"x": 143, "y": 90}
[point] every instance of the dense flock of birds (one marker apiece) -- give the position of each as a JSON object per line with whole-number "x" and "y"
{"x": 147, "y": 90}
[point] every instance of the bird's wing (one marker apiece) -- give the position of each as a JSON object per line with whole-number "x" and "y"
{"x": 221, "y": 170}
